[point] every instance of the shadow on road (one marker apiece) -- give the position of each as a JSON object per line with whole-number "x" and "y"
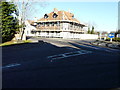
{"x": 87, "y": 71}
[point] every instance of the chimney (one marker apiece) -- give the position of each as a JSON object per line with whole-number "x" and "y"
{"x": 69, "y": 10}
{"x": 35, "y": 19}
{"x": 55, "y": 10}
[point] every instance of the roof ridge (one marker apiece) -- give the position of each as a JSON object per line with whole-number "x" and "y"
{"x": 62, "y": 15}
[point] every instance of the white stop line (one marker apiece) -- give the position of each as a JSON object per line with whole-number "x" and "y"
{"x": 70, "y": 54}
{"x": 11, "y": 65}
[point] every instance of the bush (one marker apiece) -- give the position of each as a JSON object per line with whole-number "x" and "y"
{"x": 117, "y": 39}
{"x": 114, "y": 39}
{"x": 108, "y": 39}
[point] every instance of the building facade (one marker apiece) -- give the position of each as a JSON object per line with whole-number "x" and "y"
{"x": 58, "y": 24}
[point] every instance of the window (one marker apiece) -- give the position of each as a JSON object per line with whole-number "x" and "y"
{"x": 32, "y": 32}
{"x": 47, "y": 33}
{"x": 48, "y": 24}
{"x": 55, "y": 15}
{"x": 52, "y": 24}
{"x": 43, "y": 24}
{"x": 38, "y": 25}
{"x": 73, "y": 17}
{"x": 58, "y": 23}
{"x": 45, "y": 16}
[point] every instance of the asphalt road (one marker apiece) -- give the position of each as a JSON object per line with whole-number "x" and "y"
{"x": 59, "y": 63}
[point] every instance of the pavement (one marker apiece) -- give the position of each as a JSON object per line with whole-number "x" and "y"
{"x": 60, "y": 63}
{"x": 108, "y": 44}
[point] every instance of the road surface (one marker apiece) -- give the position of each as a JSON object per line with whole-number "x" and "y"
{"x": 60, "y": 63}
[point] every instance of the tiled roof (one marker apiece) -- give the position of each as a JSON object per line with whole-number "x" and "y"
{"x": 62, "y": 16}
{"x": 30, "y": 21}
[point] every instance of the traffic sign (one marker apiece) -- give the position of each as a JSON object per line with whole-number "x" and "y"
{"x": 111, "y": 35}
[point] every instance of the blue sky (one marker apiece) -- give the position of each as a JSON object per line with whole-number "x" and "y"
{"x": 102, "y": 15}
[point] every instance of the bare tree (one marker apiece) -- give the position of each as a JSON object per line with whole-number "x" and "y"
{"x": 25, "y": 7}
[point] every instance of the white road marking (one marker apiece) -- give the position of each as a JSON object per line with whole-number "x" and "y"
{"x": 108, "y": 51}
{"x": 69, "y": 54}
{"x": 11, "y": 65}
{"x": 89, "y": 46}
{"x": 101, "y": 48}
{"x": 93, "y": 47}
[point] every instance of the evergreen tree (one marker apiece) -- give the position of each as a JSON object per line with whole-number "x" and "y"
{"x": 98, "y": 33}
{"x": 88, "y": 30}
{"x": 9, "y": 23}
{"x": 92, "y": 31}
{"x": 118, "y": 32}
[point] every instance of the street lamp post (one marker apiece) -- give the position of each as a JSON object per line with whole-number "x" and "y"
{"x": 100, "y": 35}
{"x": 110, "y": 39}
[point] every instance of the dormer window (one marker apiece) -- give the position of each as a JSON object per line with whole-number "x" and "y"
{"x": 55, "y": 15}
{"x": 35, "y": 23}
{"x": 73, "y": 17}
{"x": 45, "y": 16}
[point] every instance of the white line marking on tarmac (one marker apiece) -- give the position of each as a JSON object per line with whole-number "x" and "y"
{"x": 108, "y": 51}
{"x": 11, "y": 65}
{"x": 100, "y": 48}
{"x": 89, "y": 46}
{"x": 69, "y": 54}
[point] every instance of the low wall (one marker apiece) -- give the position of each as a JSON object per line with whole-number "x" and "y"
{"x": 67, "y": 35}
{"x": 118, "y": 35}
{"x": 80, "y": 36}
{"x": 88, "y": 36}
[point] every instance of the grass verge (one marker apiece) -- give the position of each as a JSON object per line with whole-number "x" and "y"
{"x": 14, "y": 42}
